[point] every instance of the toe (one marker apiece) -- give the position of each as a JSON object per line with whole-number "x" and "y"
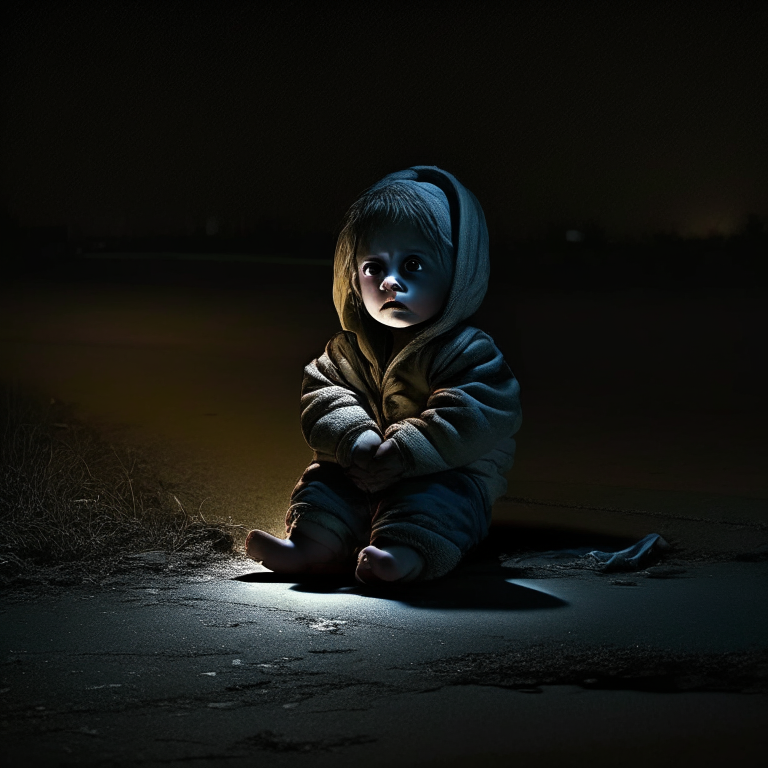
{"x": 364, "y": 572}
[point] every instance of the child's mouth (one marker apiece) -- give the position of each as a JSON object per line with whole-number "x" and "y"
{"x": 392, "y": 304}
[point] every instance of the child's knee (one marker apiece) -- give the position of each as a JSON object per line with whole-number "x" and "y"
{"x": 317, "y": 533}
{"x": 340, "y": 531}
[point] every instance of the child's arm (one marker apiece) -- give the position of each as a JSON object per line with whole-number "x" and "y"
{"x": 334, "y": 410}
{"x": 474, "y": 405}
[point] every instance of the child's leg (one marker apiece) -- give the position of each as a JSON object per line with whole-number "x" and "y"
{"x": 328, "y": 519}
{"x": 423, "y": 526}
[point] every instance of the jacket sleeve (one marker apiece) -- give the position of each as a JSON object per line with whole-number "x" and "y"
{"x": 474, "y": 405}
{"x": 334, "y": 409}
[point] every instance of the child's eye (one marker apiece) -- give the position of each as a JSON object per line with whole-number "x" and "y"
{"x": 412, "y": 265}
{"x": 371, "y": 269}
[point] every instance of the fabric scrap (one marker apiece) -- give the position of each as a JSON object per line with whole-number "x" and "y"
{"x": 632, "y": 558}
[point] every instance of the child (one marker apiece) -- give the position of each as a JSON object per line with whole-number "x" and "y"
{"x": 410, "y": 412}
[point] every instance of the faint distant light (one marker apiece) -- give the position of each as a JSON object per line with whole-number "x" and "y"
{"x": 711, "y": 223}
{"x": 574, "y": 236}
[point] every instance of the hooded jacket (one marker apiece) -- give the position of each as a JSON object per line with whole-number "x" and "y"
{"x": 448, "y": 399}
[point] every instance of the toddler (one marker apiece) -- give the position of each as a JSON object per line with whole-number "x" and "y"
{"x": 410, "y": 411}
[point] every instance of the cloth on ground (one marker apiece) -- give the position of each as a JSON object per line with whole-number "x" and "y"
{"x": 633, "y": 558}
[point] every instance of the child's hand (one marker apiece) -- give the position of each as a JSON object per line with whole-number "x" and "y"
{"x": 386, "y": 467}
{"x": 365, "y": 449}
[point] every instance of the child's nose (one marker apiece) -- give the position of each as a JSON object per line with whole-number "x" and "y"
{"x": 390, "y": 283}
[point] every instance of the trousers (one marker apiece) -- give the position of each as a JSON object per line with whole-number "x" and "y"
{"x": 441, "y": 516}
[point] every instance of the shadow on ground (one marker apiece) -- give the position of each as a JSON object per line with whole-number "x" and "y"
{"x": 481, "y": 582}
{"x": 465, "y": 589}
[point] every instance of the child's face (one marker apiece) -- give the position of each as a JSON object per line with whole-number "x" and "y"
{"x": 401, "y": 281}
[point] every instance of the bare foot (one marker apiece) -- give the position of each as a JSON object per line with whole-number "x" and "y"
{"x": 299, "y": 554}
{"x": 388, "y": 564}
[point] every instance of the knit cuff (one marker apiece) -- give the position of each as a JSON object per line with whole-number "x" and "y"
{"x": 419, "y": 455}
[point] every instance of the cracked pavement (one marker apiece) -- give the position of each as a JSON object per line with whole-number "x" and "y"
{"x": 234, "y": 663}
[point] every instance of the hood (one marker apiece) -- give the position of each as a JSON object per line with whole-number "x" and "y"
{"x": 469, "y": 236}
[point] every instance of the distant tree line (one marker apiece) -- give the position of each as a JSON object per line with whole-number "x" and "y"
{"x": 561, "y": 257}
{"x": 588, "y": 258}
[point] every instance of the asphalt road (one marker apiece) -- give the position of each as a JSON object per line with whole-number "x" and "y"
{"x": 233, "y": 664}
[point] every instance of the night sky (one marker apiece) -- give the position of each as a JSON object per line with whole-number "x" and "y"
{"x": 150, "y": 118}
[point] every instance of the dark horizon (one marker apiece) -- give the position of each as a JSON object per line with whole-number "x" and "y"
{"x": 169, "y": 119}
{"x": 279, "y": 237}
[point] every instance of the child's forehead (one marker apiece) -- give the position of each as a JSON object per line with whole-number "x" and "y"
{"x": 388, "y": 235}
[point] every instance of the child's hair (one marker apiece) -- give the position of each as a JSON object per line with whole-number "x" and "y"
{"x": 391, "y": 203}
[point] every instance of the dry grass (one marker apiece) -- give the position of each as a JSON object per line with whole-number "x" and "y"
{"x": 68, "y": 497}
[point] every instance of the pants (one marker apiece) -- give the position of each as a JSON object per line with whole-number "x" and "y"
{"x": 441, "y": 516}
